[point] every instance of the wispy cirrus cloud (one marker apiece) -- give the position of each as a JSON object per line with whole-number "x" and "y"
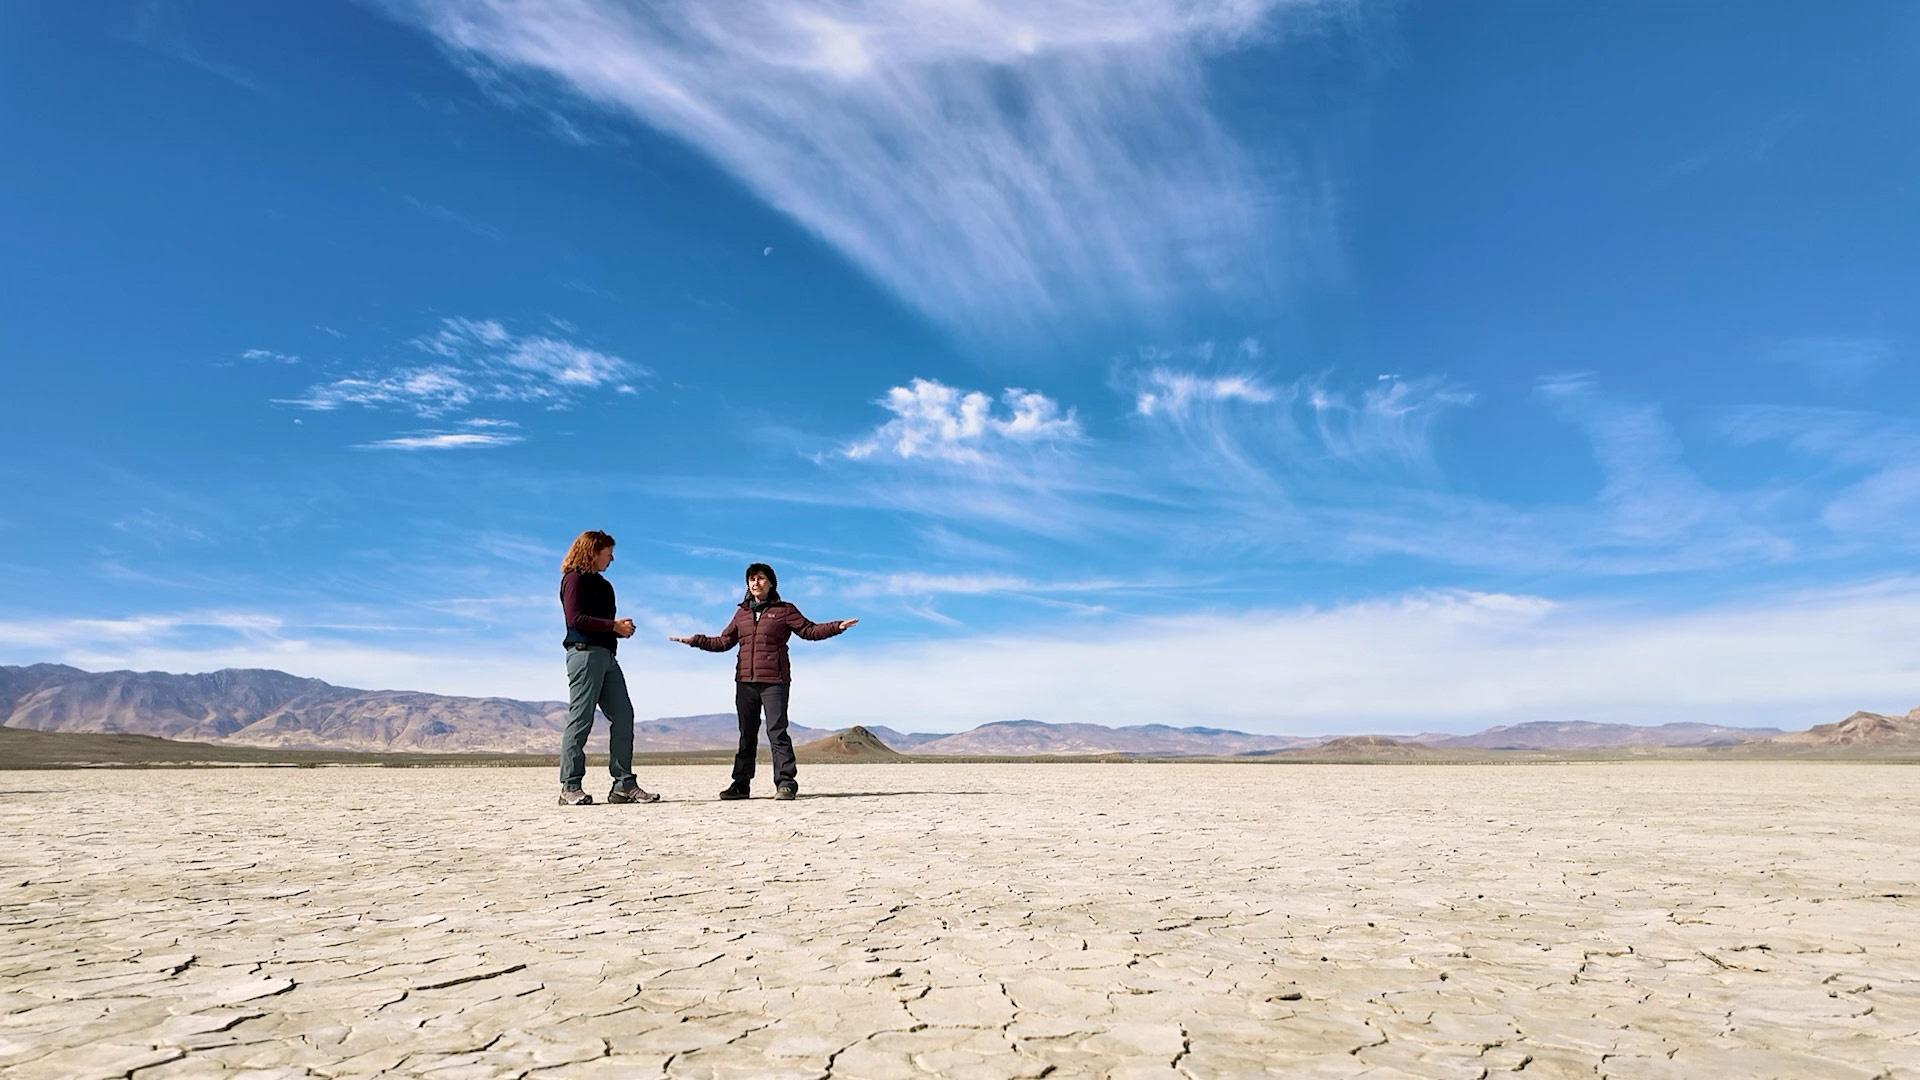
{"x": 161, "y": 25}
{"x": 474, "y": 361}
{"x": 1170, "y": 391}
{"x": 457, "y": 220}
{"x": 431, "y": 391}
{"x": 1844, "y": 361}
{"x": 1243, "y": 424}
{"x": 1868, "y": 489}
{"x": 442, "y": 440}
{"x": 1390, "y": 420}
{"x": 1233, "y": 457}
{"x": 943, "y": 423}
{"x": 1059, "y": 158}
{"x": 1650, "y": 497}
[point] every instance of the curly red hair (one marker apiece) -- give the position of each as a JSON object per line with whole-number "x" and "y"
{"x": 586, "y": 550}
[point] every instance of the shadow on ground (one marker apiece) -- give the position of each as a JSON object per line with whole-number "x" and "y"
{"x": 881, "y": 794}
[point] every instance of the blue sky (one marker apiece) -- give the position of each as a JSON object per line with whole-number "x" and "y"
{"x": 1297, "y": 367}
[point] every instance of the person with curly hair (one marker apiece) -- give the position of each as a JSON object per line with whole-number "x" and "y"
{"x": 763, "y": 676}
{"x": 593, "y": 673}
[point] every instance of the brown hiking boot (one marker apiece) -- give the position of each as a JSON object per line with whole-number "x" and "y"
{"x": 632, "y": 794}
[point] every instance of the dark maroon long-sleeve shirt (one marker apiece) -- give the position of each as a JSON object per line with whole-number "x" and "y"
{"x": 586, "y": 599}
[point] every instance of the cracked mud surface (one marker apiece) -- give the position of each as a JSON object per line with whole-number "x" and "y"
{"x": 1634, "y": 920}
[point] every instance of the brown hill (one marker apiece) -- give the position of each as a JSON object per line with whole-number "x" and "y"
{"x": 1360, "y": 748}
{"x": 1862, "y": 729}
{"x": 854, "y": 744}
{"x": 1363, "y": 742}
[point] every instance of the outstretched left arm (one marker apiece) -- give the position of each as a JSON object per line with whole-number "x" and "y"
{"x": 816, "y": 631}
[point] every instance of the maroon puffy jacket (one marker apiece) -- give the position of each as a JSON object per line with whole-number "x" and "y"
{"x": 763, "y": 640}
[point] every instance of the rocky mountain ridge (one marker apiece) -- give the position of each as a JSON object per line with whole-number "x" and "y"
{"x": 267, "y": 708}
{"x": 1860, "y": 729}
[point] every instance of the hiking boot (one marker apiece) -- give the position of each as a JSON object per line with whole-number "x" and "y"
{"x": 735, "y": 791}
{"x": 631, "y": 793}
{"x": 786, "y": 790}
{"x": 573, "y": 796}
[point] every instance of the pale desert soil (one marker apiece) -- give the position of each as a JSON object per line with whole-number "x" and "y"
{"x": 1641, "y": 920}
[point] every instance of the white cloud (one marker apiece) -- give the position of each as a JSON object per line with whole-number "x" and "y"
{"x": 1255, "y": 443}
{"x": 443, "y": 440}
{"x": 458, "y": 336}
{"x": 477, "y": 360}
{"x": 269, "y": 356}
{"x": 935, "y": 421}
{"x": 1056, "y": 158}
{"x": 1172, "y": 391}
{"x": 77, "y": 633}
{"x": 1446, "y": 660}
{"x": 429, "y": 392}
{"x": 566, "y": 364}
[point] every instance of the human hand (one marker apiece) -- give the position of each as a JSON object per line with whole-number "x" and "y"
{"x": 682, "y": 640}
{"x": 623, "y": 627}
{"x": 847, "y": 624}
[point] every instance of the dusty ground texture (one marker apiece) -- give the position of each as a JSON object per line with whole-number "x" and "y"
{"x": 1640, "y": 920}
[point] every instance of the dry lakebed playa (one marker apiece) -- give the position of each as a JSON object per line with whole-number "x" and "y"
{"x": 1638, "y": 919}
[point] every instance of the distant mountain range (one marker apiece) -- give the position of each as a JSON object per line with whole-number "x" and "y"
{"x": 1026, "y": 738}
{"x": 1582, "y": 735}
{"x": 264, "y": 708}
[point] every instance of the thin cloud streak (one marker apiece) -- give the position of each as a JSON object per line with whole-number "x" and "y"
{"x": 1873, "y": 458}
{"x": 854, "y": 585}
{"x": 444, "y": 440}
{"x": 1059, "y": 159}
{"x": 1651, "y": 498}
{"x": 1834, "y": 361}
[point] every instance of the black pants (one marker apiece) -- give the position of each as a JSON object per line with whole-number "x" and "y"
{"x": 748, "y": 699}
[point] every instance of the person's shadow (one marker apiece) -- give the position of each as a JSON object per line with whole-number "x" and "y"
{"x": 882, "y": 794}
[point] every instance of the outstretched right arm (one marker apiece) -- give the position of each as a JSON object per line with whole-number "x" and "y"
{"x": 727, "y": 639}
